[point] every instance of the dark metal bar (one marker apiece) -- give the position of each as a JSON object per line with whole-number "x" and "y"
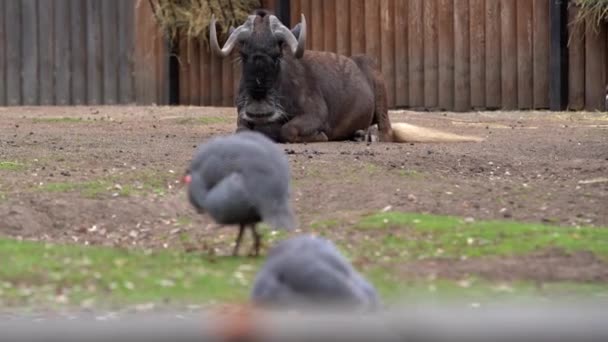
{"x": 558, "y": 60}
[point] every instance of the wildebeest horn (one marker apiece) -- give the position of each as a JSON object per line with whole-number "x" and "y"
{"x": 298, "y": 45}
{"x": 237, "y": 34}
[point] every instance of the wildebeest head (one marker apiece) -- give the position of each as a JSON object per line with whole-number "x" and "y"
{"x": 262, "y": 40}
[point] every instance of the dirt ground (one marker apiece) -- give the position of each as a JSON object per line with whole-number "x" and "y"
{"x": 532, "y": 166}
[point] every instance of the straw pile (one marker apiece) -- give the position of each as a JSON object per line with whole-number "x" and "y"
{"x": 191, "y": 18}
{"x": 594, "y": 12}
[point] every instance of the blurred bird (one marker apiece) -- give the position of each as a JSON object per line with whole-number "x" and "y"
{"x": 243, "y": 179}
{"x": 309, "y": 272}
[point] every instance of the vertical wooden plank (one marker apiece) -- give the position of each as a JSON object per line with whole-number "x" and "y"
{"x": 78, "y": 44}
{"x": 372, "y": 30}
{"x": 13, "y": 52}
{"x": 295, "y": 13}
{"x": 525, "y": 72}
{"x": 3, "y": 44}
{"x": 462, "y": 70}
{"x": 576, "y": 63}
{"x": 94, "y": 53}
{"x": 540, "y": 48}
{"x": 357, "y": 27}
{"x": 329, "y": 25}
{"x": 343, "y": 27}
{"x": 126, "y": 40}
{"x": 387, "y": 42}
{"x": 61, "y": 52}
{"x": 317, "y": 27}
{"x": 445, "y": 30}
{"x": 194, "y": 72}
{"x": 416, "y": 53}
{"x": 493, "y": 65}
{"x": 109, "y": 33}
{"x": 216, "y": 80}
{"x": 45, "y": 52}
{"x": 401, "y": 57}
{"x": 227, "y": 81}
{"x": 162, "y": 56}
{"x": 508, "y": 23}
{"x": 29, "y": 52}
{"x": 478, "y": 60}
{"x": 595, "y": 66}
{"x": 205, "y": 87}
{"x": 431, "y": 75}
{"x": 305, "y": 8}
{"x": 184, "y": 73}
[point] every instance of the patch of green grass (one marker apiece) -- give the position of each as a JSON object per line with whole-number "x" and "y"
{"x": 417, "y": 236}
{"x": 410, "y": 173}
{"x": 88, "y": 189}
{"x": 124, "y": 185}
{"x": 35, "y": 273}
{"x": 324, "y": 224}
{"x": 204, "y": 120}
{"x": 11, "y": 166}
{"x": 57, "y": 120}
{"x": 183, "y": 221}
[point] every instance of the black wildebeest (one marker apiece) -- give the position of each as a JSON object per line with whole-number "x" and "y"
{"x": 293, "y": 95}
{"x": 243, "y": 179}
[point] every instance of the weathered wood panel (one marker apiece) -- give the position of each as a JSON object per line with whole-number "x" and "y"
{"x": 540, "y": 39}
{"x": 78, "y": 45}
{"x": 445, "y": 16}
{"x": 595, "y": 66}
{"x": 109, "y": 34}
{"x": 126, "y": 40}
{"x": 342, "y": 27}
{"x": 431, "y": 79}
{"x": 2, "y": 55}
{"x": 60, "y": 91}
{"x": 29, "y": 53}
{"x": 508, "y": 24}
{"x": 525, "y": 88}
{"x": 416, "y": 53}
{"x": 357, "y": 26}
{"x": 387, "y": 42}
{"x": 493, "y": 65}
{"x": 576, "y": 63}
{"x": 329, "y": 25}
{"x": 477, "y": 41}
{"x": 12, "y": 21}
{"x": 45, "y": 51}
{"x": 316, "y": 29}
{"x": 401, "y": 54}
{"x": 462, "y": 70}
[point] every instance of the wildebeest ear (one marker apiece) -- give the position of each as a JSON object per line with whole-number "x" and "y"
{"x": 296, "y": 30}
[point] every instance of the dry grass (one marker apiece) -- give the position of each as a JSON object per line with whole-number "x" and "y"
{"x": 192, "y": 17}
{"x": 594, "y": 12}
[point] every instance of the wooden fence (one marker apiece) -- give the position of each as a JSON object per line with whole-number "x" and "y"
{"x": 435, "y": 54}
{"x": 74, "y": 52}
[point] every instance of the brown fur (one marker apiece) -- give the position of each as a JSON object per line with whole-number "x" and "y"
{"x": 321, "y": 96}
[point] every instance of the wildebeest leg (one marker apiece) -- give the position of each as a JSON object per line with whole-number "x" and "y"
{"x": 304, "y": 128}
{"x": 242, "y": 125}
{"x": 257, "y": 241}
{"x": 238, "y": 240}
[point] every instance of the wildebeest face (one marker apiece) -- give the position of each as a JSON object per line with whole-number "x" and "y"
{"x": 261, "y": 40}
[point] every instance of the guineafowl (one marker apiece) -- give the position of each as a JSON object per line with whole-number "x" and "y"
{"x": 243, "y": 179}
{"x": 305, "y": 272}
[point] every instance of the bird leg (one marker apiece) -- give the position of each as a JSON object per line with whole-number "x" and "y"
{"x": 238, "y": 240}
{"x": 257, "y": 241}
